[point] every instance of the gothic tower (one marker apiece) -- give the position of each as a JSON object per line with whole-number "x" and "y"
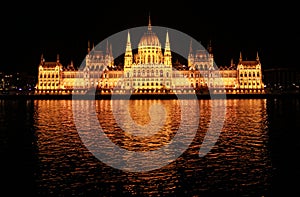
{"x": 167, "y": 53}
{"x": 128, "y": 53}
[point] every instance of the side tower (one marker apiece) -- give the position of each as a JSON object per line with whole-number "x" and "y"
{"x": 249, "y": 75}
{"x": 128, "y": 54}
{"x": 49, "y": 77}
{"x": 167, "y": 52}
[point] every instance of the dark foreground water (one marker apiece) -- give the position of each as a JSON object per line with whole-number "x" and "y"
{"x": 43, "y": 153}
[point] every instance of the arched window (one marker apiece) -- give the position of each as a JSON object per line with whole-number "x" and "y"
{"x": 161, "y": 73}
{"x": 241, "y": 75}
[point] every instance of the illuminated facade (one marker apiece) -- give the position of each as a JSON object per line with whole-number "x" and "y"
{"x": 149, "y": 71}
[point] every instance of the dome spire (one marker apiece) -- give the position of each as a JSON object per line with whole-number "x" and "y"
{"x": 149, "y": 24}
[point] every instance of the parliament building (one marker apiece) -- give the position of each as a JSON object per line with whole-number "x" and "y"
{"x": 149, "y": 71}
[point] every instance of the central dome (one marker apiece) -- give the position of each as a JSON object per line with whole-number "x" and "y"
{"x": 149, "y": 38}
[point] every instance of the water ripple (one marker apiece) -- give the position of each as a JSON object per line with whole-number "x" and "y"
{"x": 238, "y": 163}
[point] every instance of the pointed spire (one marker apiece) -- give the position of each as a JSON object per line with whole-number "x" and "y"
{"x": 107, "y": 47}
{"x": 191, "y": 56}
{"x": 128, "y": 54}
{"x": 57, "y": 58}
{"x": 88, "y": 49}
{"x": 128, "y": 44}
{"x": 231, "y": 62}
{"x": 42, "y": 58}
{"x": 209, "y": 47}
{"x": 71, "y": 66}
{"x": 257, "y": 57}
{"x": 128, "y": 37}
{"x": 241, "y": 56}
{"x": 149, "y": 24}
{"x": 167, "y": 45}
{"x": 110, "y": 50}
{"x": 191, "y": 47}
{"x": 167, "y": 53}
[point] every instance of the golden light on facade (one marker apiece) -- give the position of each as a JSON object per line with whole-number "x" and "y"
{"x": 150, "y": 70}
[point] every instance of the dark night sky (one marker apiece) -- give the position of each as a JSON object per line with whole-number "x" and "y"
{"x": 52, "y": 28}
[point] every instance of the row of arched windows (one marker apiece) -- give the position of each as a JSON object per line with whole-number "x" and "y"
{"x": 48, "y": 84}
{"x": 149, "y": 84}
{"x": 201, "y": 67}
{"x": 249, "y": 74}
{"x": 147, "y": 73}
{"x": 48, "y": 75}
{"x": 249, "y": 84}
{"x": 96, "y": 67}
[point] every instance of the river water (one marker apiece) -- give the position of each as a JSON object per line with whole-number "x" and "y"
{"x": 53, "y": 148}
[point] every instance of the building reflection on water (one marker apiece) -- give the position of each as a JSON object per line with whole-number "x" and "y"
{"x": 239, "y": 162}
